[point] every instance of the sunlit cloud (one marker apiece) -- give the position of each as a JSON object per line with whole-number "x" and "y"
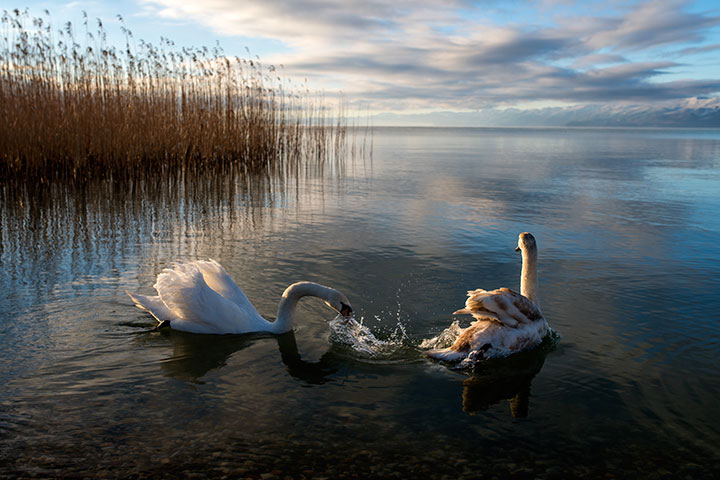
{"x": 653, "y": 24}
{"x": 462, "y": 55}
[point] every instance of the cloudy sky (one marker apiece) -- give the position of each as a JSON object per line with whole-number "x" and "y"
{"x": 456, "y": 61}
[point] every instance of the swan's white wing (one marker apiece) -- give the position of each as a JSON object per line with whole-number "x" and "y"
{"x": 502, "y": 305}
{"x": 217, "y": 278}
{"x": 153, "y": 305}
{"x": 199, "y": 308}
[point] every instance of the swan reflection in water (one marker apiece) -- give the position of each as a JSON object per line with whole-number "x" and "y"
{"x": 488, "y": 383}
{"x": 195, "y": 355}
{"x": 510, "y": 378}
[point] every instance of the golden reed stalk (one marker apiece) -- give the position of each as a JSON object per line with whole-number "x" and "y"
{"x": 72, "y": 112}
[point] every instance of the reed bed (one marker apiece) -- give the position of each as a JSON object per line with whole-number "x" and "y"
{"x": 76, "y": 109}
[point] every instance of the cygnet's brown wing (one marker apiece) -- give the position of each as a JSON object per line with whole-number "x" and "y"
{"x": 502, "y": 305}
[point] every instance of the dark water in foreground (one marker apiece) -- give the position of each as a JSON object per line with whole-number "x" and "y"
{"x": 627, "y": 224}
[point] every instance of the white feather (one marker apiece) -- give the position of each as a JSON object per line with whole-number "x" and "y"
{"x": 200, "y": 297}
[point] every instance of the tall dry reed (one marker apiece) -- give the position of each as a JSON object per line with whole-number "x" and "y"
{"x": 77, "y": 109}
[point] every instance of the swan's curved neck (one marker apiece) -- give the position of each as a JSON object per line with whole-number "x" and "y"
{"x": 290, "y": 298}
{"x": 528, "y": 277}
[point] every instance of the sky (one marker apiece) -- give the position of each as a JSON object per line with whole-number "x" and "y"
{"x": 458, "y": 62}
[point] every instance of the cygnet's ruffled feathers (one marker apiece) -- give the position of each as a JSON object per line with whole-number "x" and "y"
{"x": 485, "y": 339}
{"x": 502, "y": 305}
{"x": 505, "y": 321}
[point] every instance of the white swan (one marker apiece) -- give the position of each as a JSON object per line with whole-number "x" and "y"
{"x": 200, "y": 297}
{"x": 505, "y": 321}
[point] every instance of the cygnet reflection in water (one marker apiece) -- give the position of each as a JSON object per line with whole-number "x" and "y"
{"x": 509, "y": 378}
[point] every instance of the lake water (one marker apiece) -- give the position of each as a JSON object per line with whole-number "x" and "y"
{"x": 627, "y": 223}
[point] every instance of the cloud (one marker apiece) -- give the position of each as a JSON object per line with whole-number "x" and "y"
{"x": 653, "y": 24}
{"x": 695, "y": 112}
{"x": 595, "y": 59}
{"x": 699, "y": 50}
{"x": 463, "y": 55}
{"x": 302, "y": 23}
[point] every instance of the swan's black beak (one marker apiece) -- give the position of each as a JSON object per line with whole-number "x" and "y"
{"x": 345, "y": 310}
{"x": 517, "y": 249}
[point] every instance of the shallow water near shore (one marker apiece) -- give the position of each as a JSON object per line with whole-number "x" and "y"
{"x": 626, "y": 223}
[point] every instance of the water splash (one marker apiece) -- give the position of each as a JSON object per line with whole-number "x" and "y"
{"x": 446, "y": 338}
{"x": 363, "y": 343}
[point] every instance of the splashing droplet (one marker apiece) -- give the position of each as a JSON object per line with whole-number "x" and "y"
{"x": 446, "y": 338}
{"x": 358, "y": 337}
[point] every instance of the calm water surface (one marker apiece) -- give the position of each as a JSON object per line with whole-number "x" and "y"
{"x": 627, "y": 223}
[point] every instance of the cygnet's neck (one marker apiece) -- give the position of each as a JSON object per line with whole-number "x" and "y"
{"x": 290, "y": 297}
{"x": 528, "y": 276}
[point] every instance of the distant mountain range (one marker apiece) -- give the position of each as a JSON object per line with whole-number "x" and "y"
{"x": 696, "y": 112}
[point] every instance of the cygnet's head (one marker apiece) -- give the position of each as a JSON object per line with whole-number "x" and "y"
{"x": 339, "y": 302}
{"x": 526, "y": 242}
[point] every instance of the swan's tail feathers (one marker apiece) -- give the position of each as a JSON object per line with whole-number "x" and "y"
{"x": 446, "y": 354}
{"x": 140, "y": 301}
{"x": 463, "y": 311}
{"x": 153, "y": 305}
